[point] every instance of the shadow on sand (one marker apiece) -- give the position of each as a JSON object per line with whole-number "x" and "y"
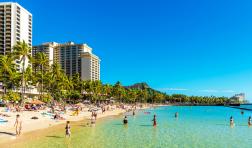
{"x": 54, "y": 137}
{"x": 7, "y": 133}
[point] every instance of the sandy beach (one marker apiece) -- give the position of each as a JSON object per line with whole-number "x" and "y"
{"x": 7, "y": 130}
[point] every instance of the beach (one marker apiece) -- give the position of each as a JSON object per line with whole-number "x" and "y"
{"x": 196, "y": 126}
{"x": 7, "y": 130}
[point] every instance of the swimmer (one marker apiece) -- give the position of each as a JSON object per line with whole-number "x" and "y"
{"x": 154, "y": 121}
{"x": 231, "y": 121}
{"x": 125, "y": 120}
{"x": 249, "y": 121}
{"x": 176, "y": 115}
{"x": 242, "y": 112}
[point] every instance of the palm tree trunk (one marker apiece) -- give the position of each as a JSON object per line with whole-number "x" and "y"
{"x": 23, "y": 83}
{"x": 42, "y": 70}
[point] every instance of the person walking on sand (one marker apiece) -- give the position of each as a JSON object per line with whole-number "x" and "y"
{"x": 67, "y": 128}
{"x": 18, "y": 125}
{"x": 154, "y": 121}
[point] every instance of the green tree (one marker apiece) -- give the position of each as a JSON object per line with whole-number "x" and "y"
{"x": 7, "y": 67}
{"x": 23, "y": 53}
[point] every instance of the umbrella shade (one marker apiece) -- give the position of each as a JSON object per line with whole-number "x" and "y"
{"x": 37, "y": 102}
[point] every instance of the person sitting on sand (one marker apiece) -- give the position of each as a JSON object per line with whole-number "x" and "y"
{"x": 68, "y": 132}
{"x": 176, "y": 115}
{"x": 154, "y": 121}
{"x": 249, "y": 121}
{"x": 18, "y": 125}
{"x": 231, "y": 121}
{"x": 125, "y": 120}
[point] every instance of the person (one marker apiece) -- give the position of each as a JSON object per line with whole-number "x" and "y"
{"x": 125, "y": 120}
{"x": 231, "y": 121}
{"x": 68, "y": 132}
{"x": 154, "y": 121}
{"x": 176, "y": 115}
{"x": 93, "y": 121}
{"x": 242, "y": 112}
{"x": 249, "y": 121}
{"x": 95, "y": 115}
{"x": 18, "y": 125}
{"x": 134, "y": 113}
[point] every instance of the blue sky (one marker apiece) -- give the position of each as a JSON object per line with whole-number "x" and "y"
{"x": 178, "y": 46}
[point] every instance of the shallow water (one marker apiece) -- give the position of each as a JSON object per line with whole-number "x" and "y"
{"x": 196, "y": 127}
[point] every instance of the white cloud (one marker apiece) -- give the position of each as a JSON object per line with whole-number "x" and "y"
{"x": 209, "y": 90}
{"x": 217, "y": 91}
{"x": 173, "y": 89}
{"x": 228, "y": 91}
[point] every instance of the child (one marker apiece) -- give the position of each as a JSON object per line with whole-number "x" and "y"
{"x": 68, "y": 132}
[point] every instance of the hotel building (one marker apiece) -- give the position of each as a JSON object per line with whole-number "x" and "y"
{"x": 15, "y": 25}
{"x": 73, "y": 58}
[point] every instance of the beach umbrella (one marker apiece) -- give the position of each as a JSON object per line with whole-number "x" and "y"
{"x": 86, "y": 101}
{"x": 94, "y": 109}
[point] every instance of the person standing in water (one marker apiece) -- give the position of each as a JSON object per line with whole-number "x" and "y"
{"x": 125, "y": 120}
{"x": 133, "y": 113}
{"x": 231, "y": 121}
{"x": 67, "y": 128}
{"x": 18, "y": 125}
{"x": 176, "y": 115}
{"x": 154, "y": 121}
{"x": 249, "y": 121}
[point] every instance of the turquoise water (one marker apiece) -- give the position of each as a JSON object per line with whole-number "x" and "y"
{"x": 196, "y": 127}
{"x": 247, "y": 106}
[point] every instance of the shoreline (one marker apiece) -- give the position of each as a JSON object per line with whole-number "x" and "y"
{"x": 8, "y": 135}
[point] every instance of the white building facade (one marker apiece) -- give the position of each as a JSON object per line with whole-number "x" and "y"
{"x": 15, "y": 25}
{"x": 73, "y": 58}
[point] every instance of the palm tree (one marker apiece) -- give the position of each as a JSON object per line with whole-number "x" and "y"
{"x": 6, "y": 67}
{"x": 41, "y": 63}
{"x": 23, "y": 52}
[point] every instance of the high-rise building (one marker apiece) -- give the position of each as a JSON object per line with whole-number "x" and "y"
{"x": 15, "y": 25}
{"x": 73, "y": 58}
{"x": 47, "y": 49}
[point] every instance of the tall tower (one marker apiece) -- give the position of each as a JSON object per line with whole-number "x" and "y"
{"x": 15, "y": 25}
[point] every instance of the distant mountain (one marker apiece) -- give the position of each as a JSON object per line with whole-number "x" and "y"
{"x": 140, "y": 86}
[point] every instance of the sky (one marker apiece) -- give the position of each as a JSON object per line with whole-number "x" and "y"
{"x": 196, "y": 47}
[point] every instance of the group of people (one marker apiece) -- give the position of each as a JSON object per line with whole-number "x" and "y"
{"x": 232, "y": 123}
{"x": 154, "y": 120}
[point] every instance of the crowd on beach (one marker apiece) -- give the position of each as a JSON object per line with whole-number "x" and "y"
{"x": 65, "y": 113}
{"x": 26, "y": 117}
